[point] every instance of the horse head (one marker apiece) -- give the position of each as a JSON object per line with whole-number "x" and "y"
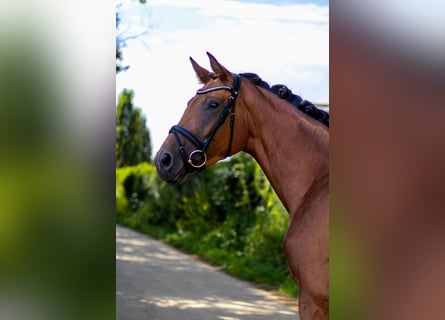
{"x": 204, "y": 134}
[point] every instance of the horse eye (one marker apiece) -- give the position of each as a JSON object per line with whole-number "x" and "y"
{"x": 213, "y": 105}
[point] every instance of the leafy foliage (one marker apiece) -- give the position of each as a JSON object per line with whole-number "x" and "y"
{"x": 133, "y": 143}
{"x": 228, "y": 214}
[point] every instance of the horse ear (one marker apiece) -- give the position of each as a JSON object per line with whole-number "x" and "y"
{"x": 219, "y": 70}
{"x": 203, "y": 74}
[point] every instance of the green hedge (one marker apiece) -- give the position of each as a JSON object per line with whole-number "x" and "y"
{"x": 228, "y": 214}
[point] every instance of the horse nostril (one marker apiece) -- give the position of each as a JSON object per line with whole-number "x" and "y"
{"x": 166, "y": 159}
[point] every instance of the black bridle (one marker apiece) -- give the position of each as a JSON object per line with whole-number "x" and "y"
{"x": 202, "y": 146}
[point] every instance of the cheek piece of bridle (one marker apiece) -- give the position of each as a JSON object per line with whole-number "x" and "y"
{"x": 198, "y": 157}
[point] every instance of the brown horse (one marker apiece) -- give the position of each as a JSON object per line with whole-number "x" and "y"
{"x": 291, "y": 148}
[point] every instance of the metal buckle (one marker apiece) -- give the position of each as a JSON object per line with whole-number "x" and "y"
{"x": 200, "y": 165}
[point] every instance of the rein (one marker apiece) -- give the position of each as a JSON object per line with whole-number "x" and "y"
{"x": 201, "y": 146}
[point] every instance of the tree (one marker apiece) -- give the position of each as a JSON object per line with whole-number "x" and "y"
{"x": 120, "y": 43}
{"x": 133, "y": 143}
{"x": 122, "y": 37}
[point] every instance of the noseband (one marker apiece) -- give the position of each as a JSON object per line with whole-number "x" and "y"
{"x": 201, "y": 146}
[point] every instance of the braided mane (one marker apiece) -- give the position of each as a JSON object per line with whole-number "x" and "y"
{"x": 285, "y": 93}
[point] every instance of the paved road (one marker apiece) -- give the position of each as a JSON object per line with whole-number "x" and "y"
{"x": 156, "y": 282}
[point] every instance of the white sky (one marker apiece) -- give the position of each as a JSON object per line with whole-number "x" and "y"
{"x": 285, "y": 43}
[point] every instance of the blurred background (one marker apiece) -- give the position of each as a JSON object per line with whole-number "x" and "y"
{"x": 386, "y": 159}
{"x": 57, "y": 110}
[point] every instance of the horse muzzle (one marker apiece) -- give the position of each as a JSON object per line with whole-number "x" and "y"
{"x": 174, "y": 164}
{"x": 168, "y": 168}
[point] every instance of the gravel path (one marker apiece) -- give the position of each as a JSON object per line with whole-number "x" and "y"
{"x": 156, "y": 282}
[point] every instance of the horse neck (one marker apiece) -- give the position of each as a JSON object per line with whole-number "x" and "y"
{"x": 291, "y": 148}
